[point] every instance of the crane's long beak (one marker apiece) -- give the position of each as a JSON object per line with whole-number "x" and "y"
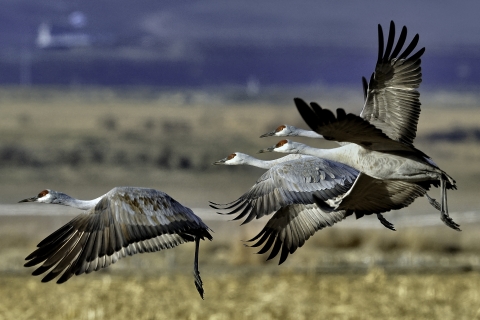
{"x": 220, "y": 161}
{"x": 268, "y": 134}
{"x": 32, "y": 199}
{"x": 269, "y": 149}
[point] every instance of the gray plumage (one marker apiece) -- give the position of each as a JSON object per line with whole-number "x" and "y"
{"x": 292, "y": 182}
{"x": 392, "y": 102}
{"x": 124, "y": 221}
{"x": 388, "y": 167}
{"x": 289, "y": 228}
{"x": 301, "y": 205}
{"x": 389, "y": 187}
{"x": 391, "y": 108}
{"x": 287, "y": 189}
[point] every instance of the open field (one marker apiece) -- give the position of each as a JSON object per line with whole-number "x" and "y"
{"x": 86, "y": 141}
{"x": 246, "y": 296}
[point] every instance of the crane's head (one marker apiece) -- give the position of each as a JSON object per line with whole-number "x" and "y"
{"x": 45, "y": 196}
{"x": 283, "y": 130}
{"x": 284, "y": 146}
{"x": 236, "y": 158}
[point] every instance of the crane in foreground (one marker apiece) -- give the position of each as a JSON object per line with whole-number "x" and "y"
{"x": 286, "y": 130}
{"x": 381, "y": 166}
{"x": 124, "y": 221}
{"x": 307, "y": 194}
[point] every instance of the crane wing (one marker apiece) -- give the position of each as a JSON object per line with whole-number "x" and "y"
{"x": 124, "y": 222}
{"x": 291, "y": 226}
{"x": 292, "y": 182}
{"x": 347, "y": 128}
{"x": 370, "y": 196}
{"x": 392, "y": 102}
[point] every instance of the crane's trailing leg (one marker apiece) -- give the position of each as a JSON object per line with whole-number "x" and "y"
{"x": 433, "y": 202}
{"x": 444, "y": 207}
{"x": 196, "y": 272}
{"x": 385, "y": 222}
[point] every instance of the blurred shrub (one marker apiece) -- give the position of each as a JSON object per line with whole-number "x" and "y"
{"x": 164, "y": 159}
{"x": 149, "y": 124}
{"x": 184, "y": 163}
{"x": 454, "y": 135}
{"x": 72, "y": 158}
{"x": 176, "y": 127}
{"x": 143, "y": 158}
{"x": 109, "y": 122}
{"x": 120, "y": 158}
{"x": 86, "y": 151}
{"x": 12, "y": 155}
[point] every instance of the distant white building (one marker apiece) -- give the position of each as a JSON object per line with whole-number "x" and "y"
{"x": 49, "y": 37}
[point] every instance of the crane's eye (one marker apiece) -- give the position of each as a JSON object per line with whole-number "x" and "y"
{"x": 280, "y": 128}
{"x": 230, "y": 157}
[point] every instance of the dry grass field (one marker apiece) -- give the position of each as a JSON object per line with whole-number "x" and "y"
{"x": 246, "y": 296}
{"x": 86, "y": 141}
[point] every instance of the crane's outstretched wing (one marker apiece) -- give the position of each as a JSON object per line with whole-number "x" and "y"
{"x": 372, "y": 196}
{"x": 365, "y": 88}
{"x": 291, "y": 226}
{"x": 124, "y": 222}
{"x": 392, "y": 103}
{"x": 344, "y": 127}
{"x": 292, "y": 182}
{"x": 349, "y": 128}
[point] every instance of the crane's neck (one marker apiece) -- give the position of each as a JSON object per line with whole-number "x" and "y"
{"x": 263, "y": 164}
{"x": 308, "y": 134}
{"x": 346, "y": 154}
{"x": 313, "y": 134}
{"x": 66, "y": 200}
{"x": 268, "y": 164}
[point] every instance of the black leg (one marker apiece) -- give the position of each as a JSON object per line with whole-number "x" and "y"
{"x": 385, "y": 222}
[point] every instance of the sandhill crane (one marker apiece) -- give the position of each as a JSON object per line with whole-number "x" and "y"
{"x": 308, "y": 194}
{"x": 286, "y": 130}
{"x": 124, "y": 221}
{"x": 380, "y": 165}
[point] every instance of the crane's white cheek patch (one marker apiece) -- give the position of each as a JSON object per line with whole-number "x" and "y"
{"x": 45, "y": 198}
{"x": 282, "y": 149}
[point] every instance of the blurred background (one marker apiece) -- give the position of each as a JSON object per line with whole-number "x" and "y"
{"x": 211, "y": 43}
{"x": 97, "y": 94}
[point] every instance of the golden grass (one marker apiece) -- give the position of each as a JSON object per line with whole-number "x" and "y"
{"x": 375, "y": 295}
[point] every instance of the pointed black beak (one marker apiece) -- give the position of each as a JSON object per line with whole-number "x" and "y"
{"x": 269, "y": 149}
{"x": 32, "y": 199}
{"x": 268, "y": 134}
{"x": 220, "y": 161}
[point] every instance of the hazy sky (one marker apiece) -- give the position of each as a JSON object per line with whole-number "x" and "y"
{"x": 341, "y": 22}
{"x": 346, "y": 23}
{"x": 280, "y": 39}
